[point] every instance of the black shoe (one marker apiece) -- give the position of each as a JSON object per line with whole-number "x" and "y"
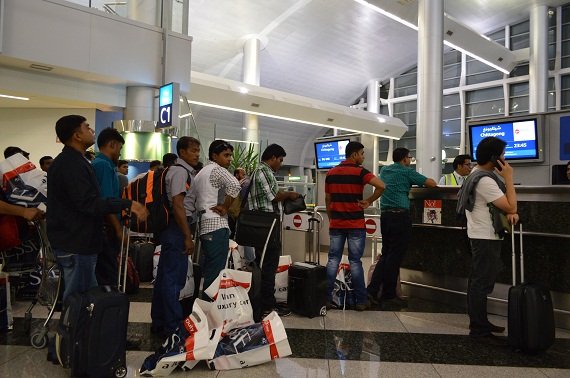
{"x": 373, "y": 300}
{"x": 496, "y": 328}
{"x": 362, "y": 306}
{"x": 282, "y": 310}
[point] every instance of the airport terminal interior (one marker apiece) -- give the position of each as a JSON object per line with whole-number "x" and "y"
{"x": 432, "y": 76}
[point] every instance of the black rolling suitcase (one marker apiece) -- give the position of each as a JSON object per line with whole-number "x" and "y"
{"x": 142, "y": 252}
{"x": 92, "y": 333}
{"x": 307, "y": 292}
{"x": 531, "y": 314}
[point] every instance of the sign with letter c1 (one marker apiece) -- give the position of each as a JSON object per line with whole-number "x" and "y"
{"x": 168, "y": 105}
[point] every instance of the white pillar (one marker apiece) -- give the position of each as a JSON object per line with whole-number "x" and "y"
{"x": 140, "y": 104}
{"x": 251, "y": 75}
{"x": 370, "y": 142}
{"x": 430, "y": 79}
{"x": 538, "y": 64}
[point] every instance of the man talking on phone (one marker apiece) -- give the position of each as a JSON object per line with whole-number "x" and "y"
{"x": 488, "y": 189}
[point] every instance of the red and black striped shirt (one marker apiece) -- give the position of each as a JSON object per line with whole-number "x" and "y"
{"x": 345, "y": 184}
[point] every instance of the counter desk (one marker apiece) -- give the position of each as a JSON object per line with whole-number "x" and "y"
{"x": 438, "y": 261}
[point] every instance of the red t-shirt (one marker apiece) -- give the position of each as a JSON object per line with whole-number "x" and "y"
{"x": 345, "y": 184}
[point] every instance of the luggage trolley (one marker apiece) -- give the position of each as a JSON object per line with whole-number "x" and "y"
{"x": 49, "y": 287}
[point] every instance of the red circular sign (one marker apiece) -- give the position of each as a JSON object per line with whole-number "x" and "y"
{"x": 370, "y": 226}
{"x": 297, "y": 221}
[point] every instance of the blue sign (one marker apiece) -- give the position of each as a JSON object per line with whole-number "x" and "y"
{"x": 329, "y": 154}
{"x": 168, "y": 105}
{"x": 521, "y": 138}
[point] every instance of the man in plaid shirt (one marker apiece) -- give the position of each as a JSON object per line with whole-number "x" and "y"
{"x": 215, "y": 189}
{"x": 265, "y": 196}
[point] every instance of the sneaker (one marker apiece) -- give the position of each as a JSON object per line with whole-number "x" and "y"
{"x": 362, "y": 306}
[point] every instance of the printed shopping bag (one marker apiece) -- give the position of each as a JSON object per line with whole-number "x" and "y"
{"x": 343, "y": 294}
{"x": 252, "y": 345}
{"x": 22, "y": 183}
{"x": 196, "y": 339}
{"x": 230, "y": 294}
{"x": 189, "y": 287}
{"x": 282, "y": 279}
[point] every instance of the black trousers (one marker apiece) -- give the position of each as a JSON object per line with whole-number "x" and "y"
{"x": 396, "y": 228}
{"x": 107, "y": 268}
{"x": 269, "y": 267}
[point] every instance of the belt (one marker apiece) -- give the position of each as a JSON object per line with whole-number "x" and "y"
{"x": 395, "y": 210}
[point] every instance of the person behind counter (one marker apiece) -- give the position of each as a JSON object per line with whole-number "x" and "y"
{"x": 461, "y": 169}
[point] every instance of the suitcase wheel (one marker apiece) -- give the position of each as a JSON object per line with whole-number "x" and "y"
{"x": 323, "y": 311}
{"x": 39, "y": 339}
{"x": 121, "y": 372}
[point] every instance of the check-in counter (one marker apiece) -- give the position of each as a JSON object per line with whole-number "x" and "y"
{"x": 438, "y": 261}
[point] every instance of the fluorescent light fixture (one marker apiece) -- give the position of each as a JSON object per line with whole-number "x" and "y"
{"x": 185, "y": 115}
{"x": 15, "y": 97}
{"x": 237, "y": 141}
{"x": 476, "y": 57}
{"x": 244, "y": 128}
{"x": 387, "y": 14}
{"x": 483, "y": 45}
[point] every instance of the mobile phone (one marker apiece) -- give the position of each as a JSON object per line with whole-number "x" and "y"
{"x": 495, "y": 159}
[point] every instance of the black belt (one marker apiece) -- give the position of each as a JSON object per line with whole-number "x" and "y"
{"x": 395, "y": 210}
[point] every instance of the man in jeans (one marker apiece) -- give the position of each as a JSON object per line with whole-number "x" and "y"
{"x": 176, "y": 240}
{"x": 264, "y": 195}
{"x": 395, "y": 225}
{"x": 76, "y": 208}
{"x": 344, "y": 187}
{"x": 482, "y": 192}
{"x": 215, "y": 189}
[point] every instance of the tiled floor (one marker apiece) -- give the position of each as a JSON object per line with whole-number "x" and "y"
{"x": 414, "y": 342}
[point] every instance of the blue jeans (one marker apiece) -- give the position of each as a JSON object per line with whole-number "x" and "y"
{"x": 166, "y": 311}
{"x": 215, "y": 247}
{"x": 356, "y": 240}
{"x": 396, "y": 230}
{"x": 78, "y": 271}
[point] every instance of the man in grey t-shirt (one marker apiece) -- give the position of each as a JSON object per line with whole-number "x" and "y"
{"x": 176, "y": 240}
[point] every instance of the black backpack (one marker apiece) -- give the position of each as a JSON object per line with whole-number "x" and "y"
{"x": 150, "y": 190}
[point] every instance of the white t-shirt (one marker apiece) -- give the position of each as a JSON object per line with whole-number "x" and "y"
{"x": 479, "y": 223}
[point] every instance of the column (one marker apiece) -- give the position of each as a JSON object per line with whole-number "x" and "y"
{"x": 430, "y": 79}
{"x": 538, "y": 64}
{"x": 251, "y": 75}
{"x": 140, "y": 103}
{"x": 370, "y": 142}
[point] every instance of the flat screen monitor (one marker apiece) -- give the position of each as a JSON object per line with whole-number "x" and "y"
{"x": 522, "y": 135}
{"x": 330, "y": 153}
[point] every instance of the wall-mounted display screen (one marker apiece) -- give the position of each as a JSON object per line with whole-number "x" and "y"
{"x": 329, "y": 154}
{"x": 523, "y": 138}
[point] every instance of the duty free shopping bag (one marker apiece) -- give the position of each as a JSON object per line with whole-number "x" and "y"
{"x": 282, "y": 279}
{"x": 252, "y": 345}
{"x": 343, "y": 293}
{"x": 23, "y": 184}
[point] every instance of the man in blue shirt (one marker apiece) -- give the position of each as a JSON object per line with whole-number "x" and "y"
{"x": 109, "y": 143}
{"x": 395, "y": 223}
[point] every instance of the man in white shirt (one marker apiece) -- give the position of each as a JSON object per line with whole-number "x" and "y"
{"x": 461, "y": 169}
{"x": 487, "y": 194}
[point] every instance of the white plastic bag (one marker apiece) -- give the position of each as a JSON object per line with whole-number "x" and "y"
{"x": 282, "y": 279}
{"x": 343, "y": 294}
{"x": 155, "y": 260}
{"x": 22, "y": 182}
{"x": 252, "y": 345}
{"x": 229, "y": 292}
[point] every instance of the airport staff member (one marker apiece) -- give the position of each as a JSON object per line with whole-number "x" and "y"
{"x": 461, "y": 169}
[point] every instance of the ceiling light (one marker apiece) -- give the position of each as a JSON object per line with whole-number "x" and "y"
{"x": 243, "y": 90}
{"x": 387, "y": 14}
{"x": 476, "y": 57}
{"x": 14, "y": 97}
{"x": 185, "y": 115}
{"x": 244, "y": 128}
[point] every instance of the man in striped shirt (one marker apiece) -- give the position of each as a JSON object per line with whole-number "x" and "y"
{"x": 344, "y": 187}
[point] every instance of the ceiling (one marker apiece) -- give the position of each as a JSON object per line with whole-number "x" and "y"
{"x": 323, "y": 49}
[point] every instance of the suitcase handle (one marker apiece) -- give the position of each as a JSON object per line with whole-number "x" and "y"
{"x": 513, "y": 253}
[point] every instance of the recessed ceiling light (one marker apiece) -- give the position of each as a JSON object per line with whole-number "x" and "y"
{"x": 14, "y": 97}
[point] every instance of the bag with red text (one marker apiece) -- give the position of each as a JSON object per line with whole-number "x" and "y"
{"x": 252, "y": 345}
{"x": 23, "y": 183}
{"x": 230, "y": 294}
{"x": 282, "y": 279}
{"x": 343, "y": 293}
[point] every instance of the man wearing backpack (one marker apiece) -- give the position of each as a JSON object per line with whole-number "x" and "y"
{"x": 216, "y": 188}
{"x": 481, "y": 193}
{"x": 176, "y": 239}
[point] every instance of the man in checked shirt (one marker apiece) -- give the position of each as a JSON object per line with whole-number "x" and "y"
{"x": 215, "y": 189}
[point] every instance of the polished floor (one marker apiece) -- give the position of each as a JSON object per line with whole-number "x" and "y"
{"x": 426, "y": 339}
